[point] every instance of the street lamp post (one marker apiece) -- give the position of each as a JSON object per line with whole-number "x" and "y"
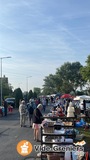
{"x": 27, "y": 83}
{"x": 1, "y": 75}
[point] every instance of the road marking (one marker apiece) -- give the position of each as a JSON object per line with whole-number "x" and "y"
{"x": 4, "y": 131}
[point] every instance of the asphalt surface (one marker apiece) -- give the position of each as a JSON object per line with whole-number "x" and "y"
{"x": 10, "y": 134}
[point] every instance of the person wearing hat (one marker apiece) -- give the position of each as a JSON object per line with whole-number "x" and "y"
{"x": 22, "y": 111}
{"x": 37, "y": 120}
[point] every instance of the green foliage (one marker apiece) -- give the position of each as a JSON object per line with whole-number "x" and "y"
{"x": 70, "y": 76}
{"x": 18, "y": 96}
{"x": 30, "y": 94}
{"x": 37, "y": 91}
{"x": 67, "y": 78}
{"x": 34, "y": 95}
{"x": 79, "y": 93}
{"x": 85, "y": 71}
{"x": 6, "y": 88}
{"x": 50, "y": 86}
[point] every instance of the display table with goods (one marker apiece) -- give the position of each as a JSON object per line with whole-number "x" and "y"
{"x": 58, "y": 136}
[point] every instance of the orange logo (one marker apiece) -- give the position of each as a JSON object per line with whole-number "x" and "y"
{"x": 24, "y": 148}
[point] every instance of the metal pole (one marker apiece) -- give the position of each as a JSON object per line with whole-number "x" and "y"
{"x": 1, "y": 81}
{"x": 1, "y": 75}
{"x": 27, "y": 82}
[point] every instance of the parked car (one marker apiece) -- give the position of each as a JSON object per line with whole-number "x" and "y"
{"x": 10, "y": 101}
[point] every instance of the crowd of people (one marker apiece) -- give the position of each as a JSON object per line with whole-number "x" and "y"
{"x": 65, "y": 103}
{"x": 33, "y": 109}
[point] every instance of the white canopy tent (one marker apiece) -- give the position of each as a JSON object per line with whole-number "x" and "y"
{"x": 83, "y": 97}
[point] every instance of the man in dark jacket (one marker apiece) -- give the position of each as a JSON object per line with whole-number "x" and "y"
{"x": 37, "y": 120}
{"x": 30, "y": 111}
{"x": 5, "y": 107}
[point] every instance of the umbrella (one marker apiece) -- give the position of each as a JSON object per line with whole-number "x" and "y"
{"x": 66, "y": 96}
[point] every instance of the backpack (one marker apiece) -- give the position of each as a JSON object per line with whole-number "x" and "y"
{"x": 30, "y": 110}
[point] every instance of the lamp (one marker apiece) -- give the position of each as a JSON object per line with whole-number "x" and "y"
{"x": 1, "y": 75}
{"x": 27, "y": 82}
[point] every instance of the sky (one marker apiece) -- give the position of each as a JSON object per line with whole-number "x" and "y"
{"x": 40, "y": 36}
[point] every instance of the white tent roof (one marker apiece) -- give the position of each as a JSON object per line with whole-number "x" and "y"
{"x": 83, "y": 97}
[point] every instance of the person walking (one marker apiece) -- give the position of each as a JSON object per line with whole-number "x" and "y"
{"x": 22, "y": 111}
{"x": 30, "y": 112}
{"x": 5, "y": 108}
{"x": 37, "y": 120}
{"x": 44, "y": 104}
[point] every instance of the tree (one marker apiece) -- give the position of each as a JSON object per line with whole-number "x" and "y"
{"x": 18, "y": 96}
{"x": 6, "y": 88}
{"x": 49, "y": 86}
{"x": 67, "y": 78}
{"x": 85, "y": 71}
{"x": 70, "y": 77}
{"x": 30, "y": 94}
{"x": 34, "y": 95}
{"x": 37, "y": 91}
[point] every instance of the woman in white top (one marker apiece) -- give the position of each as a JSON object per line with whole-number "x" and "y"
{"x": 70, "y": 110}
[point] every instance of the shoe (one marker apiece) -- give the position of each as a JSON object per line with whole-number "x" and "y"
{"x": 38, "y": 140}
{"x": 24, "y": 126}
{"x": 30, "y": 126}
{"x": 34, "y": 139}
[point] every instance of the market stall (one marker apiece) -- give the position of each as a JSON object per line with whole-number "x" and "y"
{"x": 64, "y": 136}
{"x": 62, "y": 131}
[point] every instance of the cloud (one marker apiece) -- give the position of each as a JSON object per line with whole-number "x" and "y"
{"x": 40, "y": 36}
{"x": 73, "y": 35}
{"x": 76, "y": 15}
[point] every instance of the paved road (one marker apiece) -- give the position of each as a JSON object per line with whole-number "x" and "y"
{"x": 10, "y": 134}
